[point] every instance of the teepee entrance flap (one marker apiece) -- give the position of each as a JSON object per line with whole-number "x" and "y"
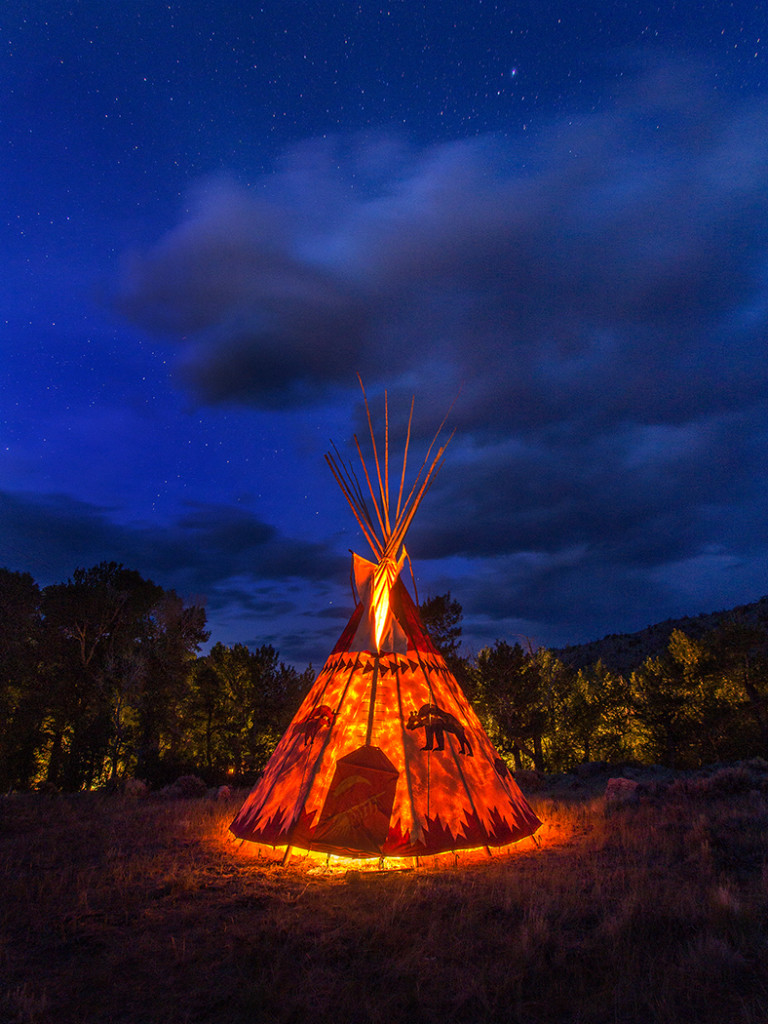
{"x": 358, "y": 808}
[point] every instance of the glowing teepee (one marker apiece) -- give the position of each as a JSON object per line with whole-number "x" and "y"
{"x": 385, "y": 757}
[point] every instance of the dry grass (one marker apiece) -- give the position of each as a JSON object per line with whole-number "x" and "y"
{"x": 142, "y": 912}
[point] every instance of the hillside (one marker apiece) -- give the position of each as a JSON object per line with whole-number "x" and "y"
{"x": 622, "y": 652}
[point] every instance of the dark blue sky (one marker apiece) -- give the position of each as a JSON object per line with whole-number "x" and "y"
{"x": 215, "y": 217}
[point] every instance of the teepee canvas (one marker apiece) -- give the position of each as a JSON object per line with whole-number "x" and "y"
{"x": 385, "y": 757}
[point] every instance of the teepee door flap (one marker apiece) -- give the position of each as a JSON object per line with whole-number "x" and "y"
{"x": 358, "y": 807}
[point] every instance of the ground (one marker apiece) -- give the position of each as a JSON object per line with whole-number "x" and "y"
{"x": 120, "y": 910}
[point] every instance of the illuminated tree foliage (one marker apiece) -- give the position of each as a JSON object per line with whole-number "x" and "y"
{"x": 441, "y": 617}
{"x": 546, "y": 715}
{"x": 701, "y": 701}
{"x": 512, "y": 692}
{"x": 704, "y": 700}
{"x": 239, "y": 704}
{"x": 101, "y": 679}
{"x": 740, "y": 653}
{"x": 601, "y": 718}
{"x": 94, "y": 671}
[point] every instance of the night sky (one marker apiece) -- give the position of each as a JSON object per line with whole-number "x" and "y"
{"x": 552, "y": 215}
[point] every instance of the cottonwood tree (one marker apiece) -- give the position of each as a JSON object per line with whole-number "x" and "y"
{"x": 120, "y": 647}
{"x": 510, "y": 690}
{"x": 174, "y": 635}
{"x": 94, "y": 621}
{"x": 242, "y": 702}
{"x": 441, "y": 617}
{"x": 676, "y": 698}
{"x": 593, "y": 719}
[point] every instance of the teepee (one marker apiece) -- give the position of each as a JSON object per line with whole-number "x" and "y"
{"x": 385, "y": 757}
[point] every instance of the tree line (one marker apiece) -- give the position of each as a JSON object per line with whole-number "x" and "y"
{"x": 702, "y": 700}
{"x": 101, "y": 678}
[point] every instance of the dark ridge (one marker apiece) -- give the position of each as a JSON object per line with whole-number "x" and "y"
{"x": 623, "y": 652}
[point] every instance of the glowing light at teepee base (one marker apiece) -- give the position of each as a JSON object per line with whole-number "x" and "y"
{"x": 385, "y": 760}
{"x": 318, "y": 862}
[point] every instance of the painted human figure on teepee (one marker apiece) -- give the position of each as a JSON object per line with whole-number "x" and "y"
{"x": 385, "y": 757}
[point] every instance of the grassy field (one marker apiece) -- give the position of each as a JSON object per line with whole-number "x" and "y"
{"x": 144, "y": 912}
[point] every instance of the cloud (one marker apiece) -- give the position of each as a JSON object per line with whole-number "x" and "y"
{"x": 238, "y": 564}
{"x": 640, "y": 492}
{"x": 599, "y": 289}
{"x": 599, "y": 263}
{"x": 577, "y": 535}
